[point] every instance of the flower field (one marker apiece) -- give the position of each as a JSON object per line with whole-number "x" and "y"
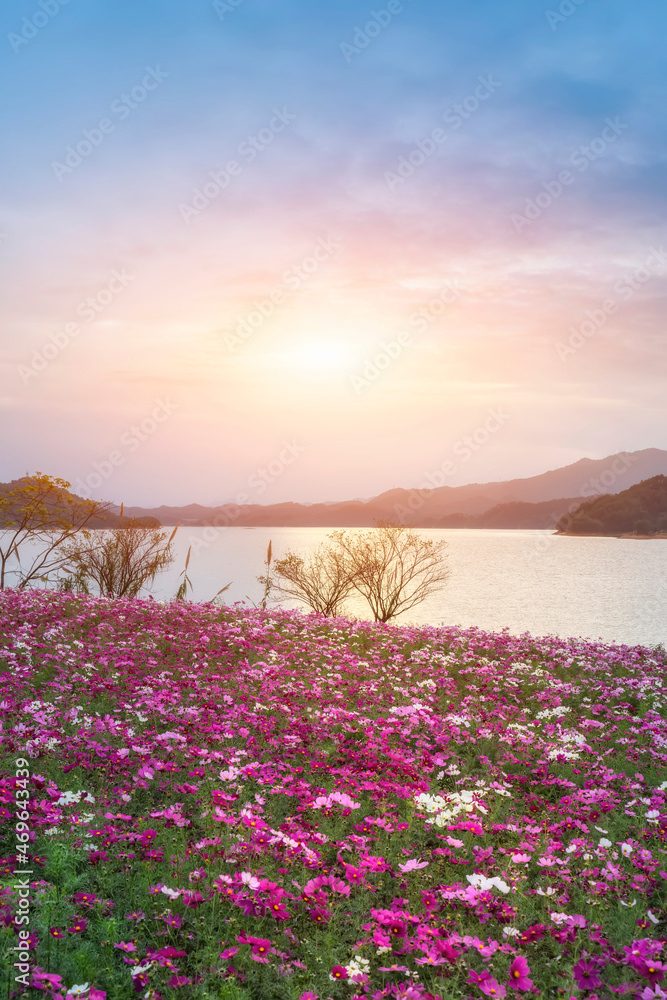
{"x": 233, "y": 804}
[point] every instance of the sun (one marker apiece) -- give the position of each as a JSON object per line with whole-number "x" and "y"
{"x": 320, "y": 355}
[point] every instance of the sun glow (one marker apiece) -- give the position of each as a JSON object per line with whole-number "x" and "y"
{"x": 321, "y": 356}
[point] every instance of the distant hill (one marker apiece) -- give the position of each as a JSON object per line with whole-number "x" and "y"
{"x": 515, "y": 515}
{"x": 641, "y": 510}
{"x": 535, "y": 502}
{"x": 444, "y": 506}
{"x": 109, "y": 518}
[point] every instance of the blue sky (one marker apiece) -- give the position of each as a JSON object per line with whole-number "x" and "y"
{"x": 580, "y": 92}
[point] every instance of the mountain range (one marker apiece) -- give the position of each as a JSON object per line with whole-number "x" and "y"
{"x": 534, "y": 502}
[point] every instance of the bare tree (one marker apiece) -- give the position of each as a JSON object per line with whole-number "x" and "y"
{"x": 37, "y": 516}
{"x": 119, "y": 562}
{"x": 323, "y": 580}
{"x": 393, "y": 567}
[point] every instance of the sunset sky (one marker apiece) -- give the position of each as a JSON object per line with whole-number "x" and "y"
{"x": 425, "y": 214}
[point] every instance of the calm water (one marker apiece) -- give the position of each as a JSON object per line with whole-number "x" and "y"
{"x": 609, "y": 588}
{"x": 526, "y": 581}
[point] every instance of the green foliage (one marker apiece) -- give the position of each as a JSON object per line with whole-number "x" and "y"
{"x": 641, "y": 509}
{"x": 38, "y": 515}
{"x": 120, "y": 562}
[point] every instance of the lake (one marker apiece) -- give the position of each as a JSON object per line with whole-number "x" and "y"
{"x": 526, "y": 581}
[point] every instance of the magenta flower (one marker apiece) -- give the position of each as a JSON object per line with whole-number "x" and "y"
{"x": 277, "y": 909}
{"x": 228, "y": 953}
{"x": 520, "y": 974}
{"x": 397, "y": 928}
{"x": 485, "y": 982}
{"x": 585, "y": 975}
{"x": 653, "y": 970}
{"x": 339, "y": 972}
{"x": 192, "y": 899}
{"x": 260, "y": 947}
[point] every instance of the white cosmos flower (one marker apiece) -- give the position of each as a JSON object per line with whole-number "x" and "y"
{"x": 136, "y": 970}
{"x": 483, "y": 883}
{"x": 172, "y": 893}
{"x": 248, "y": 879}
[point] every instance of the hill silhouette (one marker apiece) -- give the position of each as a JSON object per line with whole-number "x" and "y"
{"x": 441, "y": 506}
{"x": 641, "y": 510}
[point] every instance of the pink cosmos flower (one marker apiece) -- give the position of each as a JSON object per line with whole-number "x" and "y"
{"x": 260, "y": 946}
{"x": 277, "y": 908}
{"x": 446, "y": 950}
{"x": 520, "y": 974}
{"x": 125, "y": 946}
{"x": 339, "y": 972}
{"x": 585, "y": 975}
{"x": 486, "y": 983}
{"x": 397, "y": 928}
{"x": 653, "y": 970}
{"x": 412, "y": 865}
{"x": 354, "y": 875}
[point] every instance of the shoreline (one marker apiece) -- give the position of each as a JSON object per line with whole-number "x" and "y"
{"x": 637, "y": 538}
